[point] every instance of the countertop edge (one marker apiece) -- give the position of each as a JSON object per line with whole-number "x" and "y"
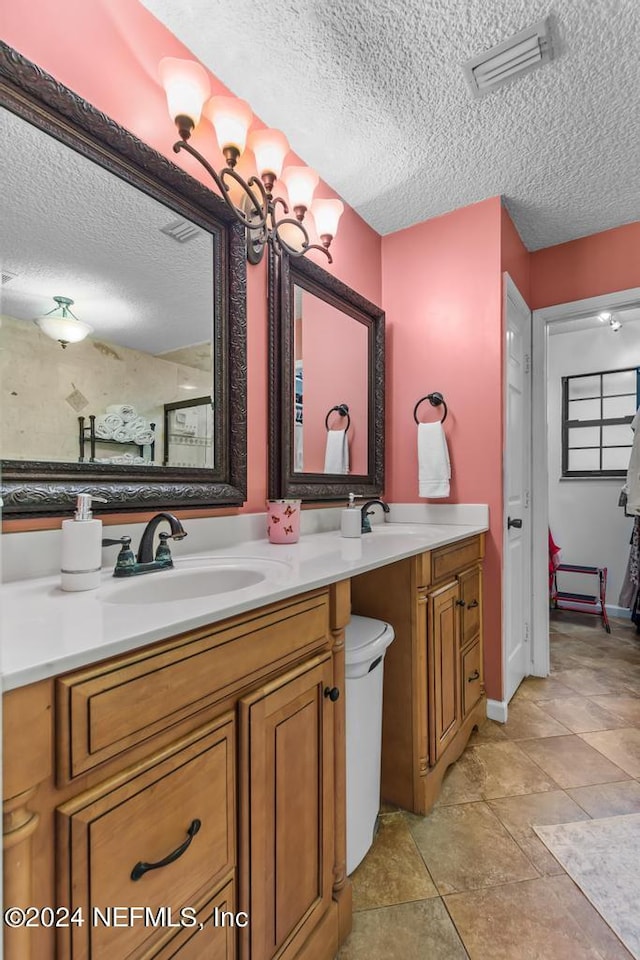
{"x": 414, "y": 544}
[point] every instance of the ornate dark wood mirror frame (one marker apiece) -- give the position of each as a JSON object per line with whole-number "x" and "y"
{"x": 41, "y": 487}
{"x": 284, "y": 482}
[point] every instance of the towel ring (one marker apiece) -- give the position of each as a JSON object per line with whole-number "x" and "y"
{"x": 343, "y": 410}
{"x": 436, "y": 400}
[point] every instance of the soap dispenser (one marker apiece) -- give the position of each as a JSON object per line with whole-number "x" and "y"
{"x": 81, "y": 547}
{"x": 351, "y": 519}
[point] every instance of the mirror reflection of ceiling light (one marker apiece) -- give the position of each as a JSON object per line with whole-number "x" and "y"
{"x": 62, "y": 325}
{"x": 187, "y": 88}
{"x": 187, "y": 386}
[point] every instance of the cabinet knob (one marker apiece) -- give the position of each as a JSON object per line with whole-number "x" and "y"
{"x": 474, "y": 676}
{"x": 332, "y": 692}
{"x": 460, "y": 603}
{"x": 470, "y": 606}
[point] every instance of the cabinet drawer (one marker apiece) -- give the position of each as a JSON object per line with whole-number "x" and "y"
{"x": 471, "y": 593}
{"x": 107, "y": 709}
{"x": 142, "y": 817}
{"x": 454, "y": 557}
{"x": 214, "y": 940}
{"x": 471, "y": 677}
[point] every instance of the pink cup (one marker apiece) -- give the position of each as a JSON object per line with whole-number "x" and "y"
{"x": 283, "y": 521}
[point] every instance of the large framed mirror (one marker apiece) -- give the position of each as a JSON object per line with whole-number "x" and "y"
{"x": 326, "y": 385}
{"x": 102, "y": 232}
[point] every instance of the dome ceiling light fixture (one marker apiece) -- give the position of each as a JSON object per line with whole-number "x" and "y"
{"x": 186, "y": 85}
{"x": 62, "y": 325}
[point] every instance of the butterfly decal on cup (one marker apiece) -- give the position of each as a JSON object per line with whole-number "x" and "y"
{"x": 283, "y": 521}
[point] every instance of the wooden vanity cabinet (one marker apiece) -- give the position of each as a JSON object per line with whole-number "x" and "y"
{"x": 204, "y": 774}
{"x": 433, "y": 686}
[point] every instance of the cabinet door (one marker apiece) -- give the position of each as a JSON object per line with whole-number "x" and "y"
{"x": 287, "y": 808}
{"x": 443, "y": 668}
{"x": 471, "y": 593}
{"x": 157, "y": 835}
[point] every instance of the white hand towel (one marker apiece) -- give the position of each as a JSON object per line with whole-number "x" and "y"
{"x": 124, "y": 410}
{"x": 106, "y": 423}
{"x": 336, "y": 458}
{"x": 434, "y": 469}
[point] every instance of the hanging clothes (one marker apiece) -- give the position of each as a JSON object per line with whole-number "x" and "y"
{"x": 632, "y": 486}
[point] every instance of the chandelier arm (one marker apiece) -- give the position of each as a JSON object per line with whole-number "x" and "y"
{"x": 279, "y": 200}
{"x": 259, "y": 207}
{"x": 306, "y": 245}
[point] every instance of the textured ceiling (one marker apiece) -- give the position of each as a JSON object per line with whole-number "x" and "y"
{"x": 630, "y": 315}
{"x": 373, "y": 96}
{"x": 73, "y": 229}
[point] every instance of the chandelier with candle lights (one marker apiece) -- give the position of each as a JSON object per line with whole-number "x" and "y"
{"x": 186, "y": 84}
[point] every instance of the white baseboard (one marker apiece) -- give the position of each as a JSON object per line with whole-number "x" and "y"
{"x": 623, "y": 612}
{"x": 497, "y": 710}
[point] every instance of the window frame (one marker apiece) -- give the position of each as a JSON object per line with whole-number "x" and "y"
{"x": 599, "y": 423}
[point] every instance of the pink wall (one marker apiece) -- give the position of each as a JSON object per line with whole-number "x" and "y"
{"x": 108, "y": 52}
{"x": 441, "y": 289}
{"x": 588, "y": 267}
{"x": 335, "y": 355}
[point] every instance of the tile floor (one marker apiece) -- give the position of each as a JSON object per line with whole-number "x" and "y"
{"x": 472, "y": 879}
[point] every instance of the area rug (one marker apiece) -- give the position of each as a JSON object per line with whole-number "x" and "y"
{"x": 603, "y": 858}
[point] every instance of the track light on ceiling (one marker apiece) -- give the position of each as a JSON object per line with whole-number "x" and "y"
{"x": 62, "y": 325}
{"x": 186, "y": 84}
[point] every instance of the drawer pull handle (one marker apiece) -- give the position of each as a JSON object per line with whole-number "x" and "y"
{"x": 460, "y": 603}
{"x": 474, "y": 676}
{"x": 332, "y": 692}
{"x": 470, "y": 606}
{"x": 141, "y": 867}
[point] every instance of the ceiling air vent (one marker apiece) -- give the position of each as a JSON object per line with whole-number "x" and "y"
{"x": 521, "y": 53}
{"x": 180, "y": 230}
{"x": 6, "y": 277}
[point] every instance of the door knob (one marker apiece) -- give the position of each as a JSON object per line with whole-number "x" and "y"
{"x": 514, "y": 523}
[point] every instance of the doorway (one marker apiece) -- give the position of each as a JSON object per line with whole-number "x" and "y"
{"x": 542, "y": 320}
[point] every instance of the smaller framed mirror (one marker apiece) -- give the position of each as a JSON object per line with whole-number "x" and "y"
{"x": 326, "y": 385}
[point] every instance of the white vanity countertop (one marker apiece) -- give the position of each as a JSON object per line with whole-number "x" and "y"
{"x": 46, "y": 631}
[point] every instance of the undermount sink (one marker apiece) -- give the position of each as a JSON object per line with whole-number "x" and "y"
{"x": 194, "y": 578}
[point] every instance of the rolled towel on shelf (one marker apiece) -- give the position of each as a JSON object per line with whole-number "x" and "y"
{"x": 123, "y": 410}
{"x": 122, "y": 434}
{"x": 336, "y": 459}
{"x": 434, "y": 468}
{"x": 106, "y": 423}
{"x": 143, "y": 436}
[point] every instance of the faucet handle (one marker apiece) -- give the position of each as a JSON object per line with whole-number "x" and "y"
{"x": 125, "y": 560}
{"x": 121, "y": 542}
{"x": 163, "y": 553}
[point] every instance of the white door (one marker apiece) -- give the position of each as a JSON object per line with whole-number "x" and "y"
{"x": 517, "y": 487}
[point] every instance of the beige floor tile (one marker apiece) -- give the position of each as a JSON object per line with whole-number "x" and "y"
{"x": 579, "y": 714}
{"x": 589, "y": 682}
{"x": 542, "y": 859}
{"x": 488, "y": 732}
{"x": 535, "y": 920}
{"x": 608, "y": 799}
{"x": 492, "y": 770}
{"x": 621, "y": 746}
{"x": 626, "y": 708}
{"x": 542, "y": 688}
{"x": 393, "y": 871}
{"x": 527, "y": 720}
{"x": 518, "y": 814}
{"x": 572, "y": 762}
{"x": 466, "y": 847}
{"x": 407, "y": 931}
